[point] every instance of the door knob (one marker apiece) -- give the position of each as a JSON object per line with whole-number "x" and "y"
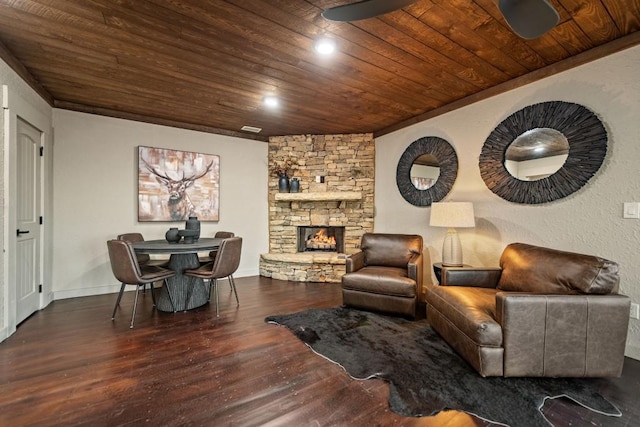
{"x": 22, "y": 232}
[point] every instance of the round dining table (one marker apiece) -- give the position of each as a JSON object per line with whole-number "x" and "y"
{"x": 181, "y": 292}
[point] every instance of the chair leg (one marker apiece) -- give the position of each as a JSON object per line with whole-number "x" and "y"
{"x": 135, "y": 304}
{"x": 232, "y": 283}
{"x": 115, "y": 308}
{"x": 215, "y": 284}
{"x": 153, "y": 293}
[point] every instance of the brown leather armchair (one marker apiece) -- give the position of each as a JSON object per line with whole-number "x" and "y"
{"x": 543, "y": 313}
{"x": 385, "y": 275}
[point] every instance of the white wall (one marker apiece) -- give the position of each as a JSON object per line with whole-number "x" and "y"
{"x": 589, "y": 221}
{"x": 95, "y": 187}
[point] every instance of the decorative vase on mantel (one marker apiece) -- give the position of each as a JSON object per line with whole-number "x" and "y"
{"x": 193, "y": 224}
{"x": 294, "y": 186}
{"x": 283, "y": 183}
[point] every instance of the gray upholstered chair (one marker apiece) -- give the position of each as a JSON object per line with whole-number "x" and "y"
{"x": 224, "y": 265}
{"x": 143, "y": 259}
{"x": 385, "y": 275}
{"x": 542, "y": 313}
{"x": 212, "y": 254}
{"x": 128, "y": 271}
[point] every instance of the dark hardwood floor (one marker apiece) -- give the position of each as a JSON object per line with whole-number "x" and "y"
{"x": 69, "y": 364}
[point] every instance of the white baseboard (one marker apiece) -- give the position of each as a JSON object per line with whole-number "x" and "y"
{"x": 86, "y": 292}
{"x": 247, "y": 273}
{"x": 632, "y": 352}
{"x": 110, "y": 289}
{"x": 4, "y": 334}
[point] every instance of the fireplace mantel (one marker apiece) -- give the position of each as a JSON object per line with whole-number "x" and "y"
{"x": 326, "y": 196}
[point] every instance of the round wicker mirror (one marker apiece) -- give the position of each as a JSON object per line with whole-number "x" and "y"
{"x": 447, "y": 162}
{"x": 587, "y": 140}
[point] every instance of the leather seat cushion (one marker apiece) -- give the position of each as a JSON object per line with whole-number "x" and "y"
{"x": 381, "y": 280}
{"x": 472, "y": 310}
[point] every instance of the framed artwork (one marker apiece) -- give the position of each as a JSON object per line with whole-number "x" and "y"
{"x": 174, "y": 185}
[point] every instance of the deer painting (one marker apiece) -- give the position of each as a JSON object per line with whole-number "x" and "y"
{"x": 179, "y": 204}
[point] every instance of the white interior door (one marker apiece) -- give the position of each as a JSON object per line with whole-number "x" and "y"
{"x": 28, "y": 207}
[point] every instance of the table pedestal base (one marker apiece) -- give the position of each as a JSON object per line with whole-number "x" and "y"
{"x": 182, "y": 287}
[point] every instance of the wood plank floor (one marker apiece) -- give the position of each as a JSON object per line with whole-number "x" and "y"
{"x": 69, "y": 364}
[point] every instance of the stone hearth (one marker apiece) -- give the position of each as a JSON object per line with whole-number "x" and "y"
{"x": 345, "y": 198}
{"x": 304, "y": 267}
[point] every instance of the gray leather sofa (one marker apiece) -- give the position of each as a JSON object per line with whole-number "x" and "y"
{"x": 543, "y": 313}
{"x": 385, "y": 275}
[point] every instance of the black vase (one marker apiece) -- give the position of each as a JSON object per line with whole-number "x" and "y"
{"x": 295, "y": 185}
{"x": 193, "y": 224}
{"x": 283, "y": 183}
{"x": 172, "y": 235}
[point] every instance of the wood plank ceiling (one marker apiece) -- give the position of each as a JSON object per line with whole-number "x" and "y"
{"x": 207, "y": 65}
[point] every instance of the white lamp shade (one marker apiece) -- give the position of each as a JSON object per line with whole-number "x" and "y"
{"x": 452, "y": 215}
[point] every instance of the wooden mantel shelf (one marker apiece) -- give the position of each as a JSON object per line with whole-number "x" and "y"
{"x": 341, "y": 196}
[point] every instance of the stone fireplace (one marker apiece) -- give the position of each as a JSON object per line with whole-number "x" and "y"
{"x": 336, "y": 174}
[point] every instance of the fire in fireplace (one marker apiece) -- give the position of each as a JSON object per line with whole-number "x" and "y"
{"x": 321, "y": 238}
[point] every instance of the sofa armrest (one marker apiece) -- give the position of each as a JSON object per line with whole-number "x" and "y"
{"x": 415, "y": 268}
{"x": 355, "y": 262}
{"x": 472, "y": 277}
{"x": 555, "y": 335}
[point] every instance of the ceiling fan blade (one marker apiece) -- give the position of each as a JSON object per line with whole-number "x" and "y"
{"x": 364, "y": 9}
{"x": 529, "y": 19}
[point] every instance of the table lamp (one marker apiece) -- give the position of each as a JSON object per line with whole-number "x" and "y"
{"x": 452, "y": 215}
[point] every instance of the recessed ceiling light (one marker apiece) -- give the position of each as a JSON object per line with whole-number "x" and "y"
{"x": 251, "y": 129}
{"x": 271, "y": 101}
{"x": 325, "y": 46}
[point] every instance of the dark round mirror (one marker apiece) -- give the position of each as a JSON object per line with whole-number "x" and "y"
{"x": 585, "y": 136}
{"x": 422, "y": 159}
{"x": 536, "y": 154}
{"x": 425, "y": 171}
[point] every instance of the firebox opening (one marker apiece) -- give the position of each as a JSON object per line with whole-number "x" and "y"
{"x": 321, "y": 238}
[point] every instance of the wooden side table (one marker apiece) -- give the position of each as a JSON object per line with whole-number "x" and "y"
{"x": 437, "y": 269}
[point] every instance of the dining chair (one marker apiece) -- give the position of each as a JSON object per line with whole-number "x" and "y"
{"x": 212, "y": 254}
{"x": 143, "y": 259}
{"x": 224, "y": 265}
{"x": 125, "y": 268}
